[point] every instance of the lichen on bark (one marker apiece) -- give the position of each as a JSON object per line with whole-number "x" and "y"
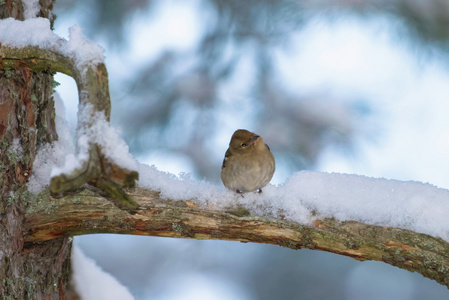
{"x": 27, "y": 270}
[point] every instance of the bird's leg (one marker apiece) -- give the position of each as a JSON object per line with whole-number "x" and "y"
{"x": 239, "y": 192}
{"x": 260, "y": 191}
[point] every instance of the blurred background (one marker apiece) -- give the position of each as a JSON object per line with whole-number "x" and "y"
{"x": 332, "y": 85}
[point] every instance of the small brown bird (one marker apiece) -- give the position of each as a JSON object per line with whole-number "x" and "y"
{"x": 248, "y": 164}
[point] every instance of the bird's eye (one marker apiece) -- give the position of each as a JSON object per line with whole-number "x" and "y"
{"x": 243, "y": 145}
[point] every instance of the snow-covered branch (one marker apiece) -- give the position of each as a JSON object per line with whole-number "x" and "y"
{"x": 87, "y": 212}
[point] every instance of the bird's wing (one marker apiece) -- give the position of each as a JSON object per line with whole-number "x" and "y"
{"x": 227, "y": 155}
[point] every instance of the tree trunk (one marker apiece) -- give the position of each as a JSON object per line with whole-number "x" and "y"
{"x": 27, "y": 270}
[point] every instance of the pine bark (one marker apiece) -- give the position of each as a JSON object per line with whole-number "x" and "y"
{"x": 28, "y": 270}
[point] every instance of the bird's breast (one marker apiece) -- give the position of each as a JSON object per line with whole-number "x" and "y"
{"x": 249, "y": 172}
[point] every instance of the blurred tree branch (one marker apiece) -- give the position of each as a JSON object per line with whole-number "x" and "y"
{"x": 87, "y": 211}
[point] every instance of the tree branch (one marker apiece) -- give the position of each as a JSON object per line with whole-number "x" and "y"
{"x": 87, "y": 212}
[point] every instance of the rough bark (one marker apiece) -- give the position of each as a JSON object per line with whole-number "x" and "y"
{"x": 26, "y": 121}
{"x": 87, "y": 212}
{"x": 27, "y": 270}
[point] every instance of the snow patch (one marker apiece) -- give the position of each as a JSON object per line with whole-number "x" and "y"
{"x": 30, "y": 8}
{"x": 86, "y": 272}
{"x": 49, "y": 155}
{"x": 308, "y": 196}
{"x": 60, "y": 156}
{"x": 404, "y": 204}
{"x": 102, "y": 133}
{"x": 84, "y": 51}
{"x": 16, "y": 148}
{"x": 31, "y": 32}
{"x": 37, "y": 32}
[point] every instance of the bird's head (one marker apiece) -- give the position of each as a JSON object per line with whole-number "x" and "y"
{"x": 243, "y": 141}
